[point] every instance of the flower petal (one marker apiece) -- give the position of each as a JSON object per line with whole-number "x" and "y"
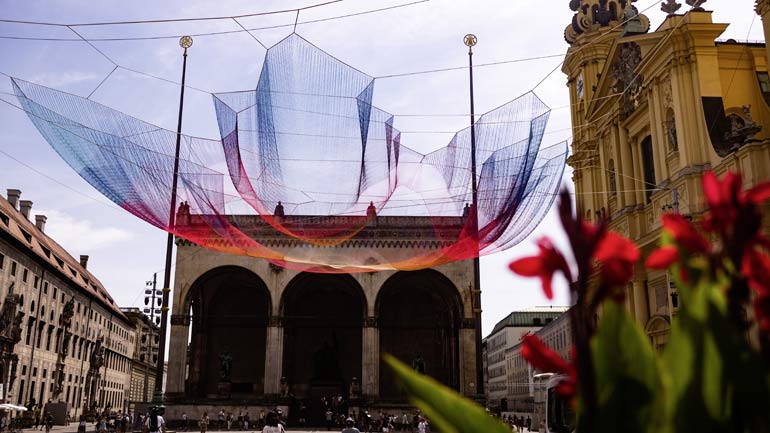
{"x": 663, "y": 258}
{"x": 685, "y": 233}
{"x": 756, "y": 269}
{"x": 615, "y": 246}
{"x": 528, "y": 266}
{"x": 759, "y": 193}
{"x": 541, "y": 357}
{"x": 712, "y": 189}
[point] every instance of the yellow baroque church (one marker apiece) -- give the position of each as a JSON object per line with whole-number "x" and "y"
{"x": 651, "y": 112}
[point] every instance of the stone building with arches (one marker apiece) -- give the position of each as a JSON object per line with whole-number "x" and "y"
{"x": 247, "y": 335}
{"x": 651, "y": 112}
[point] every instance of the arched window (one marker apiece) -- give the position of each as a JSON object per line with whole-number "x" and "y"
{"x": 612, "y": 178}
{"x": 648, "y": 166}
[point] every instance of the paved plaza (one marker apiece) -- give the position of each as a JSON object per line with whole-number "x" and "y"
{"x": 73, "y": 428}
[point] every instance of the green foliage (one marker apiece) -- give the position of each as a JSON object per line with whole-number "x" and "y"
{"x": 627, "y": 374}
{"x": 717, "y": 382}
{"x": 708, "y": 378}
{"x": 450, "y": 412}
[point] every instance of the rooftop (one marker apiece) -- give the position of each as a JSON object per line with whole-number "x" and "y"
{"x": 17, "y": 226}
{"x": 525, "y": 318}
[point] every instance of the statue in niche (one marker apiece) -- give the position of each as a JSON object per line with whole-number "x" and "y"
{"x": 225, "y": 365}
{"x": 418, "y": 364}
{"x": 673, "y": 142}
{"x": 355, "y": 388}
{"x": 326, "y": 363}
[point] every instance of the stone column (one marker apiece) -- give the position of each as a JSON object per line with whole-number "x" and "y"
{"x": 640, "y": 303}
{"x": 274, "y": 356}
{"x": 468, "y": 357}
{"x": 177, "y": 359}
{"x": 370, "y": 359}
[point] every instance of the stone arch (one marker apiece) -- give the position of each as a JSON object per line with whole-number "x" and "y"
{"x": 323, "y": 317}
{"x": 419, "y": 316}
{"x": 229, "y": 308}
{"x": 658, "y": 329}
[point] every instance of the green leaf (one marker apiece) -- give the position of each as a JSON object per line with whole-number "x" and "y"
{"x": 627, "y": 374}
{"x": 449, "y": 411}
{"x": 717, "y": 382}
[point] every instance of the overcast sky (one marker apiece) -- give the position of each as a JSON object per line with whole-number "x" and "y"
{"x": 125, "y": 251}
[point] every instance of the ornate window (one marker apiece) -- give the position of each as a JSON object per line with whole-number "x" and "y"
{"x": 648, "y": 166}
{"x": 612, "y": 178}
{"x": 764, "y": 84}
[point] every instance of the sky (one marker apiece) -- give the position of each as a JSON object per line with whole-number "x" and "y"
{"x": 125, "y": 251}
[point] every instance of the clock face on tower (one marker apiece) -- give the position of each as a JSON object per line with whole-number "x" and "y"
{"x": 580, "y": 86}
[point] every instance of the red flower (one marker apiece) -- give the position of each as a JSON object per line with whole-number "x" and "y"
{"x": 544, "y": 265}
{"x": 663, "y": 258}
{"x": 547, "y": 361}
{"x": 728, "y": 204}
{"x": 685, "y": 233}
{"x": 756, "y": 268}
{"x": 618, "y": 256}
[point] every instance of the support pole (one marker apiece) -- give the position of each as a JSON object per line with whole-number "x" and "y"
{"x": 470, "y": 41}
{"x": 185, "y": 42}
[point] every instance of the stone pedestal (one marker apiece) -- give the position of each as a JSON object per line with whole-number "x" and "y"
{"x": 224, "y": 389}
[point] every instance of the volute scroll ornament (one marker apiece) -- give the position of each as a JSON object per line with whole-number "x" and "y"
{"x": 595, "y": 14}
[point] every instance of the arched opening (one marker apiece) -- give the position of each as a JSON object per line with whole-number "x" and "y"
{"x": 230, "y": 310}
{"x": 323, "y": 320}
{"x": 612, "y": 178}
{"x": 419, "y": 315}
{"x": 648, "y": 167}
{"x": 658, "y": 328}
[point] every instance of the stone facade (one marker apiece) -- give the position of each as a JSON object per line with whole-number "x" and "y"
{"x": 289, "y": 333}
{"x": 53, "y": 355}
{"x": 144, "y": 362}
{"x": 651, "y": 112}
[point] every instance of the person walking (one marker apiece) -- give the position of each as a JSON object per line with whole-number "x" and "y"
{"x": 529, "y": 423}
{"x": 272, "y": 425}
{"x": 155, "y": 422}
{"x": 184, "y": 421}
{"x": 48, "y": 422}
{"x": 350, "y": 426}
{"x": 204, "y": 422}
{"x": 422, "y": 426}
{"x": 82, "y": 424}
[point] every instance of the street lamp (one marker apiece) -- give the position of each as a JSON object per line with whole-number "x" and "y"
{"x": 149, "y": 345}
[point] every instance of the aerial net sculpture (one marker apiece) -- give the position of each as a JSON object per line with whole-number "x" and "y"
{"x": 305, "y": 162}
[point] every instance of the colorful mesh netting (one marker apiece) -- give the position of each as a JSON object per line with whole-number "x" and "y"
{"x": 310, "y": 161}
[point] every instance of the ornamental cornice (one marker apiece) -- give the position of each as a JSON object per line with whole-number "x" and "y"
{"x": 762, "y": 7}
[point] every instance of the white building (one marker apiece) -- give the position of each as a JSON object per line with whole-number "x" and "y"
{"x": 507, "y": 334}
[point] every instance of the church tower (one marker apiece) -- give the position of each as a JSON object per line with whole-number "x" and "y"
{"x": 651, "y": 112}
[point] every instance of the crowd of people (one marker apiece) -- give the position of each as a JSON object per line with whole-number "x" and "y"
{"x": 518, "y": 423}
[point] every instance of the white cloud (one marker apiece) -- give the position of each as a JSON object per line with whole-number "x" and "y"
{"x": 81, "y": 236}
{"x": 62, "y": 79}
